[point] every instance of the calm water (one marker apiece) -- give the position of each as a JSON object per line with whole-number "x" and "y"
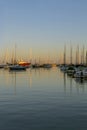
{"x": 41, "y": 99}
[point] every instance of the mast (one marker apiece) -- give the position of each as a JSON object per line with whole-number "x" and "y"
{"x": 71, "y": 55}
{"x": 15, "y": 55}
{"x": 77, "y": 55}
{"x": 64, "y": 54}
{"x": 76, "y": 58}
{"x": 81, "y": 59}
{"x": 12, "y": 59}
{"x": 86, "y": 58}
{"x": 83, "y": 54}
{"x": 30, "y": 55}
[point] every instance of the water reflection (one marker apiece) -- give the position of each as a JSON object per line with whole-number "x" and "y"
{"x": 13, "y": 80}
{"x": 43, "y": 77}
{"x": 70, "y": 85}
{"x": 49, "y": 95}
{"x": 15, "y": 83}
{"x": 67, "y": 83}
{"x": 64, "y": 82}
{"x": 81, "y": 80}
{"x": 29, "y": 75}
{"x": 81, "y": 83}
{"x": 74, "y": 84}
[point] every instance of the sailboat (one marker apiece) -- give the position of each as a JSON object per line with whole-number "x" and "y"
{"x": 64, "y": 66}
{"x": 16, "y": 66}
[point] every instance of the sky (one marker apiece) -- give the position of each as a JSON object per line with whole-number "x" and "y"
{"x": 42, "y": 27}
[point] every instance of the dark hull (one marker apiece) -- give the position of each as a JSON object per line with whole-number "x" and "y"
{"x": 17, "y": 68}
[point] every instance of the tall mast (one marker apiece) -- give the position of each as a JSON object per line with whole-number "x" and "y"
{"x": 81, "y": 58}
{"x": 30, "y": 55}
{"x": 71, "y": 55}
{"x": 86, "y": 58}
{"x": 64, "y": 54}
{"x": 15, "y": 54}
{"x": 77, "y": 55}
{"x": 83, "y": 54}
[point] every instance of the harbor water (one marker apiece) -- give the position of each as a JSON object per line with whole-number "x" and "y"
{"x": 42, "y": 99}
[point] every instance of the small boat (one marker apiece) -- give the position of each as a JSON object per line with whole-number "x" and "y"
{"x": 47, "y": 65}
{"x": 2, "y": 66}
{"x": 17, "y": 67}
{"x": 35, "y": 66}
{"x": 63, "y": 68}
{"x": 71, "y": 70}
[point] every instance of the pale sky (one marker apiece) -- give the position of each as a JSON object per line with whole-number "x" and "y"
{"x": 43, "y": 26}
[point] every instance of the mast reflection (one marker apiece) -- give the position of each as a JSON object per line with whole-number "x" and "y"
{"x": 30, "y": 78}
{"x": 14, "y": 81}
{"x": 80, "y": 83}
{"x": 70, "y": 85}
{"x": 64, "y": 77}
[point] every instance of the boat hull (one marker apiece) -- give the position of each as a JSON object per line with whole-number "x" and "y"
{"x": 17, "y": 68}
